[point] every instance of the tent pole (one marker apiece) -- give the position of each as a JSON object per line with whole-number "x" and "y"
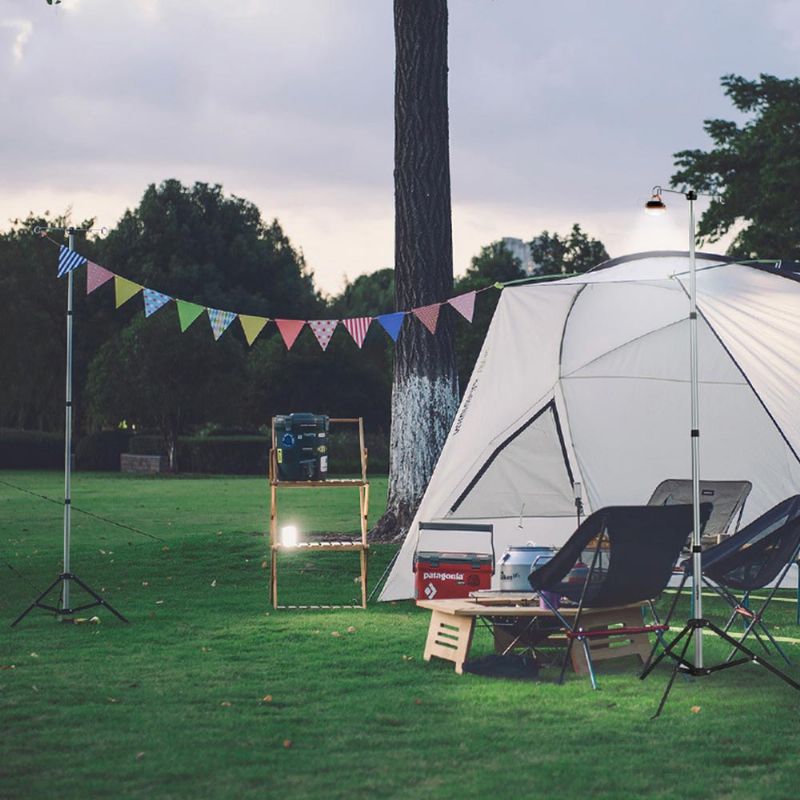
{"x": 697, "y": 565}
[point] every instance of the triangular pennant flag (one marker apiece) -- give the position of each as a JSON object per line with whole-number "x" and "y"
{"x": 392, "y": 323}
{"x": 323, "y": 330}
{"x": 252, "y": 326}
{"x": 464, "y": 304}
{"x": 68, "y": 260}
{"x": 96, "y": 276}
{"x": 290, "y": 330}
{"x": 124, "y": 289}
{"x": 188, "y": 313}
{"x": 220, "y": 320}
{"x": 153, "y": 301}
{"x": 428, "y": 315}
{"x": 357, "y": 327}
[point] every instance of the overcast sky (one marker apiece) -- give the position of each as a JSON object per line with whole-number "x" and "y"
{"x": 560, "y": 112}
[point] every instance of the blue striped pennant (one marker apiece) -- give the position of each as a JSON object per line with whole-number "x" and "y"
{"x": 68, "y": 260}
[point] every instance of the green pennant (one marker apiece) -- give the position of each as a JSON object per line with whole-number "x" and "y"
{"x": 188, "y": 313}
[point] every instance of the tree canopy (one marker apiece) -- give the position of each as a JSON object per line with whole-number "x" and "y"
{"x": 562, "y": 255}
{"x": 753, "y": 169}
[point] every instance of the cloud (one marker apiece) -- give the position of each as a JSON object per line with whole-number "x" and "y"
{"x": 559, "y": 113}
{"x": 785, "y": 17}
{"x": 24, "y": 29}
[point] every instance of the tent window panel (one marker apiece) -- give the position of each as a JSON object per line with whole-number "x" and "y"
{"x": 527, "y": 477}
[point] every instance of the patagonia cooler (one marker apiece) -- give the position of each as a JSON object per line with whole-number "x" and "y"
{"x": 446, "y": 572}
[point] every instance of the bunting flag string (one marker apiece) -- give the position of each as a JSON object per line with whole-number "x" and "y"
{"x": 290, "y": 330}
{"x": 323, "y": 329}
{"x": 220, "y": 321}
{"x": 392, "y": 323}
{"x": 68, "y": 260}
{"x": 357, "y": 327}
{"x": 124, "y": 290}
{"x": 464, "y": 304}
{"x": 428, "y": 315}
{"x": 188, "y": 313}
{"x": 154, "y": 300}
{"x": 252, "y": 326}
{"x": 96, "y": 277}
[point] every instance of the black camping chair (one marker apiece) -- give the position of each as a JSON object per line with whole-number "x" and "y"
{"x": 727, "y": 498}
{"x": 760, "y": 553}
{"x": 631, "y": 551}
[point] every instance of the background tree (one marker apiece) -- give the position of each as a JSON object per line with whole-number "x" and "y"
{"x": 33, "y": 308}
{"x": 753, "y": 168}
{"x": 154, "y": 377}
{"x": 425, "y": 390}
{"x": 562, "y": 255}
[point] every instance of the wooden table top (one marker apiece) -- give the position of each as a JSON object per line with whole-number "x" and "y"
{"x": 516, "y": 606}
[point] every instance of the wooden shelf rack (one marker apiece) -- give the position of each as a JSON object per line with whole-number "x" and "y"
{"x": 358, "y": 545}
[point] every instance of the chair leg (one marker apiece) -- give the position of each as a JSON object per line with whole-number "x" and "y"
{"x": 774, "y": 642}
{"x": 588, "y": 654}
{"x": 660, "y": 634}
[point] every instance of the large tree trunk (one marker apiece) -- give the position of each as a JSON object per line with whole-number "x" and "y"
{"x": 425, "y": 391}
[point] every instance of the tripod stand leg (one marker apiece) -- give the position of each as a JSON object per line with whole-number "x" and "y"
{"x": 667, "y": 651}
{"x": 98, "y": 598}
{"x": 752, "y": 656}
{"x": 38, "y": 600}
{"x": 678, "y": 663}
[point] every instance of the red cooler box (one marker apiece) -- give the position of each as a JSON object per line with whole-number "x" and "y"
{"x": 443, "y": 573}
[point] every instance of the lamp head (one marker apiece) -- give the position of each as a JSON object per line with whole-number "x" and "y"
{"x": 655, "y": 205}
{"x": 289, "y": 536}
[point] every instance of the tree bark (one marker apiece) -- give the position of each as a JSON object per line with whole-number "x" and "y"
{"x": 425, "y": 390}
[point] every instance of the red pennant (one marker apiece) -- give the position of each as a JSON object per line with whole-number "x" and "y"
{"x": 290, "y": 330}
{"x": 428, "y": 315}
{"x": 464, "y": 304}
{"x": 96, "y": 276}
{"x": 358, "y": 327}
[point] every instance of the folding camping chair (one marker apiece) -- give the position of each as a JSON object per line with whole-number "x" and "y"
{"x": 727, "y": 497}
{"x": 631, "y": 550}
{"x": 760, "y": 553}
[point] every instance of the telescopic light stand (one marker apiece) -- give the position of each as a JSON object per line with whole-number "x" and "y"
{"x": 694, "y": 627}
{"x": 64, "y": 607}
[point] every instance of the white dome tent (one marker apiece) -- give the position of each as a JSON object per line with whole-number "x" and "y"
{"x": 586, "y": 380}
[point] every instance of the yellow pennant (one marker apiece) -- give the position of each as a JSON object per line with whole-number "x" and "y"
{"x": 252, "y": 326}
{"x": 124, "y": 289}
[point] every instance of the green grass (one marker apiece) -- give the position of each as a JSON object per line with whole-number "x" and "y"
{"x": 173, "y": 704}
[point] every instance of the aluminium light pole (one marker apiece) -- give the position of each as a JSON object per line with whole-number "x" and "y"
{"x": 697, "y": 624}
{"x": 657, "y": 206}
{"x": 66, "y": 577}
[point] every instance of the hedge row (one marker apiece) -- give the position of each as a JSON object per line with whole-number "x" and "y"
{"x": 30, "y": 449}
{"x": 231, "y": 455}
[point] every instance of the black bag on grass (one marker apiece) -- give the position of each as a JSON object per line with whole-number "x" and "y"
{"x": 517, "y": 666}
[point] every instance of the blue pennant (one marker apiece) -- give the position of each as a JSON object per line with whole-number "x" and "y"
{"x": 68, "y": 260}
{"x": 392, "y": 323}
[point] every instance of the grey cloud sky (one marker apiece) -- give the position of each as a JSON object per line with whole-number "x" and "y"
{"x": 560, "y": 112}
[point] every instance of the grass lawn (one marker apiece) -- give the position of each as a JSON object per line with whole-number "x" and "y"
{"x": 209, "y": 693}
